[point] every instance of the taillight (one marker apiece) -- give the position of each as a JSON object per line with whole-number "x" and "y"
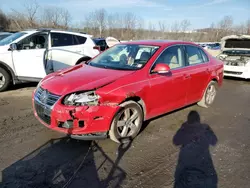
{"x": 97, "y": 48}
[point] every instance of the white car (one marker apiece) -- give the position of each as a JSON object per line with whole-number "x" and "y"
{"x": 235, "y": 53}
{"x": 31, "y": 55}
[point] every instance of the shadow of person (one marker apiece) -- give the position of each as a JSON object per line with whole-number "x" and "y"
{"x": 195, "y": 167}
{"x": 122, "y": 149}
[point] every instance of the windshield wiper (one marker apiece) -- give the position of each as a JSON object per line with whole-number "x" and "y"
{"x": 111, "y": 67}
{"x": 98, "y": 65}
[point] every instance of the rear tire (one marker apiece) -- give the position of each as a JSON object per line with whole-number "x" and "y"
{"x": 5, "y": 80}
{"x": 127, "y": 122}
{"x": 209, "y": 95}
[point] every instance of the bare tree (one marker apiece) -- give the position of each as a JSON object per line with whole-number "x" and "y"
{"x": 129, "y": 21}
{"x": 4, "y": 21}
{"x": 175, "y": 30}
{"x": 97, "y": 21}
{"x": 162, "y": 27}
{"x": 151, "y": 29}
{"x": 184, "y": 25}
{"x": 225, "y": 26}
{"x": 248, "y": 26}
{"x": 18, "y": 20}
{"x": 90, "y": 24}
{"x": 140, "y": 34}
{"x": 101, "y": 18}
{"x": 31, "y": 8}
{"x": 56, "y": 17}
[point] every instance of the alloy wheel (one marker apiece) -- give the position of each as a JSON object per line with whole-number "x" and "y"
{"x": 210, "y": 95}
{"x": 128, "y": 122}
{"x": 2, "y": 80}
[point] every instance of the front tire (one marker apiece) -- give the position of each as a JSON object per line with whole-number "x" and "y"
{"x": 5, "y": 80}
{"x": 209, "y": 95}
{"x": 127, "y": 122}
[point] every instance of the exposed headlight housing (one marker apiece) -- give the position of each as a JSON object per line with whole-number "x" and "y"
{"x": 89, "y": 98}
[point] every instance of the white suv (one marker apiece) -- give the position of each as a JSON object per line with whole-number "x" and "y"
{"x": 31, "y": 55}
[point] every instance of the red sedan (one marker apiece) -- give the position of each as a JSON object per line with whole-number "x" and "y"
{"x": 112, "y": 94}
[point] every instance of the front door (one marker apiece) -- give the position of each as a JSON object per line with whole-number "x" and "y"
{"x": 168, "y": 92}
{"x": 28, "y": 59}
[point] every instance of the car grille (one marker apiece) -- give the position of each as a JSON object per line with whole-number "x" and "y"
{"x": 40, "y": 110}
{"x": 231, "y": 72}
{"x": 44, "y": 101}
{"x": 235, "y": 63}
{"x": 51, "y": 98}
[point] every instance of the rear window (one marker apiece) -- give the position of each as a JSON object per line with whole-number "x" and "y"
{"x": 204, "y": 56}
{"x": 194, "y": 55}
{"x": 237, "y": 43}
{"x": 62, "y": 39}
{"x": 81, "y": 40}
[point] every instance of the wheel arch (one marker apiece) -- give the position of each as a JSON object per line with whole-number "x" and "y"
{"x": 214, "y": 79}
{"x": 86, "y": 58}
{"x": 9, "y": 70}
{"x": 138, "y": 100}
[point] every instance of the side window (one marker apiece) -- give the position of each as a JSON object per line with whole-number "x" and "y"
{"x": 173, "y": 56}
{"x": 193, "y": 55}
{"x": 62, "y": 39}
{"x": 204, "y": 56}
{"x": 80, "y": 40}
{"x": 37, "y": 41}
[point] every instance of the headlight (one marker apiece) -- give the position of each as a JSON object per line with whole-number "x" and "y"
{"x": 79, "y": 99}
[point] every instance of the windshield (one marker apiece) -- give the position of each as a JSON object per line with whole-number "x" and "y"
{"x": 124, "y": 57}
{"x": 11, "y": 38}
{"x": 4, "y": 36}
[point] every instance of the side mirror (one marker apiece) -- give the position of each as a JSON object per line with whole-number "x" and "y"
{"x": 13, "y": 46}
{"x": 161, "y": 68}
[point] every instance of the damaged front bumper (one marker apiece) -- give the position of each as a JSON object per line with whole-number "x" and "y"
{"x": 237, "y": 71}
{"x": 79, "y": 122}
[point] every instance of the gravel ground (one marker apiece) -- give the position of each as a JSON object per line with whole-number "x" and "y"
{"x": 215, "y": 152}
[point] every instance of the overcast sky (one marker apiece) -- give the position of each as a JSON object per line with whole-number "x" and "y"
{"x": 201, "y": 13}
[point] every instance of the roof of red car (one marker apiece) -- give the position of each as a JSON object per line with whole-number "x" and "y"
{"x": 158, "y": 42}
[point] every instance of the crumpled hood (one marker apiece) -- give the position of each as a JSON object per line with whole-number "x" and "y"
{"x": 4, "y": 49}
{"x": 80, "y": 78}
{"x": 235, "y": 42}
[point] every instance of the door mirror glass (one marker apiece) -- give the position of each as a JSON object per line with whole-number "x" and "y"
{"x": 13, "y": 46}
{"x": 161, "y": 68}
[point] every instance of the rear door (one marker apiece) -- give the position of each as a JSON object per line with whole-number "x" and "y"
{"x": 65, "y": 50}
{"x": 199, "y": 70}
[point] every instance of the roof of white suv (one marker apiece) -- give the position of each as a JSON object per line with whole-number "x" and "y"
{"x": 31, "y": 31}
